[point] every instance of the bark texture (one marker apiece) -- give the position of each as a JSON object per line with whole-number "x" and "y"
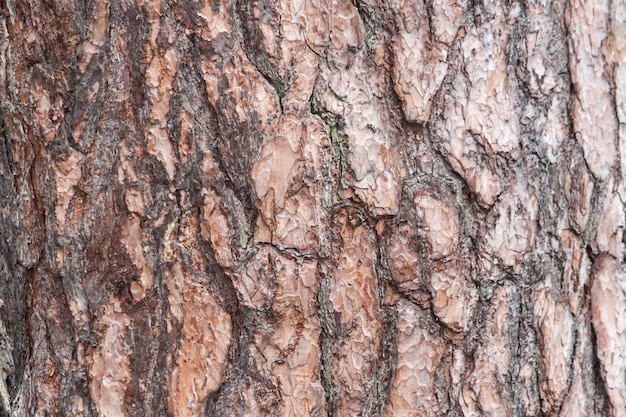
{"x": 312, "y": 208}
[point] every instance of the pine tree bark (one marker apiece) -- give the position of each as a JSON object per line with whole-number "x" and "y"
{"x": 312, "y": 208}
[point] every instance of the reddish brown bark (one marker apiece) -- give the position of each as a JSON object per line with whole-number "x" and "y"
{"x": 398, "y": 208}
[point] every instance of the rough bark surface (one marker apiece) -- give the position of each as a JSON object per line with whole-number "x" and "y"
{"x": 312, "y": 208}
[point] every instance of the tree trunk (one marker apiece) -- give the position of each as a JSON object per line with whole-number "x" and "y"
{"x": 312, "y": 208}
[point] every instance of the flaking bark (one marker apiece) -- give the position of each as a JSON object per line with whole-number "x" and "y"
{"x": 312, "y": 208}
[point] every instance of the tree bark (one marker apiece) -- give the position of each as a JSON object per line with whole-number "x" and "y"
{"x": 312, "y": 208}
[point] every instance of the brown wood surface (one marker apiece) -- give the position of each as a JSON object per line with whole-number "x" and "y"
{"x": 312, "y": 208}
